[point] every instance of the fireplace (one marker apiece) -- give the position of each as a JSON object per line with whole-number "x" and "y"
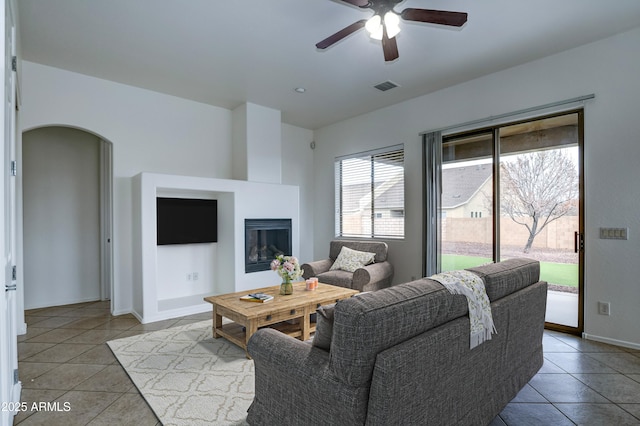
{"x": 264, "y": 240}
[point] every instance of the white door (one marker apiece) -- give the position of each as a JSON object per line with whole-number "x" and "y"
{"x": 9, "y": 385}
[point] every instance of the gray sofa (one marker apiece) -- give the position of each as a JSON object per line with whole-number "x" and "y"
{"x": 371, "y": 277}
{"x": 401, "y": 355}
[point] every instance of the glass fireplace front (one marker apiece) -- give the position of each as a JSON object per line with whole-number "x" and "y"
{"x": 264, "y": 240}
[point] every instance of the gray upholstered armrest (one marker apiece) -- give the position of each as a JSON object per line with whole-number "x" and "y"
{"x": 283, "y": 352}
{"x": 312, "y": 269}
{"x": 293, "y": 377}
{"x": 379, "y": 274}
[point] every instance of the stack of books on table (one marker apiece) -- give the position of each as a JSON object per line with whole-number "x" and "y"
{"x": 257, "y": 297}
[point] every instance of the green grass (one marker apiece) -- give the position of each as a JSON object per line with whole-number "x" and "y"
{"x": 554, "y": 273}
{"x": 451, "y": 262}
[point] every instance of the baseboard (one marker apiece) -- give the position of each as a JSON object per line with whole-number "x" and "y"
{"x": 16, "y": 391}
{"x": 173, "y": 313}
{"x": 60, "y": 303}
{"x": 121, "y": 312}
{"x": 609, "y": 341}
{"x": 22, "y": 329}
{"x": 138, "y": 316}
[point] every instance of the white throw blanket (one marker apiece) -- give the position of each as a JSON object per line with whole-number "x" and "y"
{"x": 472, "y": 286}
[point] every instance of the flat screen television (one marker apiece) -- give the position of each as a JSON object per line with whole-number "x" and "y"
{"x": 186, "y": 221}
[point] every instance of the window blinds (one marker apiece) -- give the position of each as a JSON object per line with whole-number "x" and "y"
{"x": 370, "y": 194}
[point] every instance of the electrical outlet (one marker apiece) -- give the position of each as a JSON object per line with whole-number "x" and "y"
{"x": 195, "y": 276}
{"x": 604, "y": 308}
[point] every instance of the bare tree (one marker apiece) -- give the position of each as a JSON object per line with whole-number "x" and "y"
{"x": 538, "y": 188}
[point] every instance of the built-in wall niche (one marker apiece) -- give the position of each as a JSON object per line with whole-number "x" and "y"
{"x": 188, "y": 245}
{"x": 164, "y": 285}
{"x": 264, "y": 240}
{"x": 185, "y": 270}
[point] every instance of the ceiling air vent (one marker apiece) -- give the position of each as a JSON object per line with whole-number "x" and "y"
{"x": 385, "y": 85}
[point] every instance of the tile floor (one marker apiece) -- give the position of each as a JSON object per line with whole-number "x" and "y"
{"x": 63, "y": 358}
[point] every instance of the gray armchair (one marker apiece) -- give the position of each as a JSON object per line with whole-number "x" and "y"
{"x": 371, "y": 277}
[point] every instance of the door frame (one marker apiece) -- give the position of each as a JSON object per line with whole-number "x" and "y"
{"x": 10, "y": 386}
{"x": 580, "y": 243}
{"x": 105, "y": 219}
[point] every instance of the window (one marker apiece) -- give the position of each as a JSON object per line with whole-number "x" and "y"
{"x": 370, "y": 194}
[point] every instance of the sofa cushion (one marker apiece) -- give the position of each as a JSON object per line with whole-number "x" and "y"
{"x": 337, "y": 278}
{"x": 380, "y": 248}
{"x": 349, "y": 260}
{"x": 503, "y": 278}
{"x": 324, "y": 327}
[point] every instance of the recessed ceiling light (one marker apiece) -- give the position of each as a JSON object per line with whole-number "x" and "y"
{"x": 300, "y": 89}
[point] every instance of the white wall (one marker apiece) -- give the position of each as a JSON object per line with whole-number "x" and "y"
{"x": 297, "y": 169}
{"x": 264, "y": 144}
{"x": 61, "y": 201}
{"x": 176, "y": 265}
{"x": 150, "y": 132}
{"x": 257, "y": 143}
{"x": 609, "y": 69}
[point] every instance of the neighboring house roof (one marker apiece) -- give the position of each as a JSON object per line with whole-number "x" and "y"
{"x": 460, "y": 184}
{"x": 388, "y": 195}
{"x": 352, "y": 194}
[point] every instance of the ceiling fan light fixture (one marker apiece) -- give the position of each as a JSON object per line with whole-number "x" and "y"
{"x": 385, "y": 23}
{"x": 374, "y": 27}
{"x": 392, "y": 23}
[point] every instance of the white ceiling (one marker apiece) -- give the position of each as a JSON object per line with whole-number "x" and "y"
{"x": 226, "y": 53}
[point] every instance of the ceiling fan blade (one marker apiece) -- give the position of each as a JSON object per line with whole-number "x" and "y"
{"x": 359, "y": 3}
{"x": 389, "y": 47}
{"x": 341, "y": 34}
{"x": 442, "y": 17}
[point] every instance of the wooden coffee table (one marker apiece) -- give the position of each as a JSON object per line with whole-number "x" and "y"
{"x": 288, "y": 314}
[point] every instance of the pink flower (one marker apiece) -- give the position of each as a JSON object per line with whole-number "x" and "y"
{"x": 274, "y": 264}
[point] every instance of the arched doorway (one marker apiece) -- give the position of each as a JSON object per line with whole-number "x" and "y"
{"x": 66, "y": 203}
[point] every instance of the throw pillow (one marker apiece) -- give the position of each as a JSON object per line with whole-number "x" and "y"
{"x": 324, "y": 327}
{"x": 349, "y": 260}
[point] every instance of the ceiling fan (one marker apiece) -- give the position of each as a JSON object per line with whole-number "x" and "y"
{"x": 384, "y": 25}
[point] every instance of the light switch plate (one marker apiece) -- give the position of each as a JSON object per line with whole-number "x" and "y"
{"x": 614, "y": 233}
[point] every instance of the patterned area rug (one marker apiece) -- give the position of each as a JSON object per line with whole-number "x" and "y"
{"x": 187, "y": 377}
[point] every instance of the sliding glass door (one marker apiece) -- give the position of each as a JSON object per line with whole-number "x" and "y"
{"x": 540, "y": 206}
{"x": 515, "y": 191}
{"x": 467, "y": 201}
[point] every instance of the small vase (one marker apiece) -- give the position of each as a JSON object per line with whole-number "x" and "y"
{"x": 286, "y": 287}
